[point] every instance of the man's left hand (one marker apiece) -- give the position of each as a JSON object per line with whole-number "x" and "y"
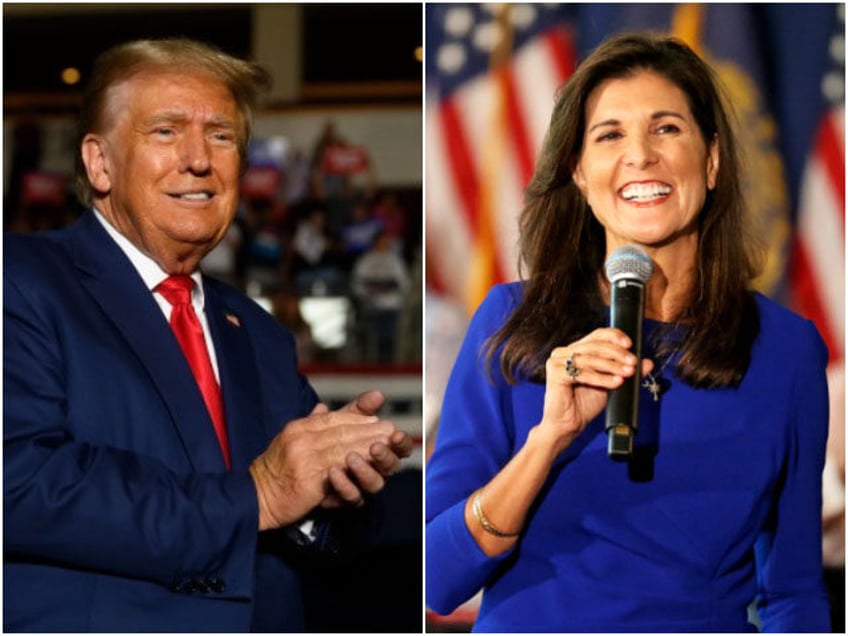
{"x": 361, "y": 474}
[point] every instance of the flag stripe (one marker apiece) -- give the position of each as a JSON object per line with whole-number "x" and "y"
{"x": 516, "y": 125}
{"x": 820, "y": 226}
{"x": 459, "y": 158}
{"x": 536, "y": 80}
{"x": 562, "y": 52}
{"x": 808, "y": 299}
{"x": 832, "y": 155}
{"x": 448, "y": 231}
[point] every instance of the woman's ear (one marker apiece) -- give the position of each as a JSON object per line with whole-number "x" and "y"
{"x": 579, "y": 178}
{"x": 712, "y": 164}
{"x": 95, "y": 157}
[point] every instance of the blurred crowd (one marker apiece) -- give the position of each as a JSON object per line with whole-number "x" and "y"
{"x": 316, "y": 240}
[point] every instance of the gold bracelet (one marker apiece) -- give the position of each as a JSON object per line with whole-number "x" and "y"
{"x": 481, "y": 519}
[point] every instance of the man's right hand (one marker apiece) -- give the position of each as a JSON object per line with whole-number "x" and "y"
{"x": 318, "y": 460}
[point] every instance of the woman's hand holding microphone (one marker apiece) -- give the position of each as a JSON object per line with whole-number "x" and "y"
{"x": 578, "y": 378}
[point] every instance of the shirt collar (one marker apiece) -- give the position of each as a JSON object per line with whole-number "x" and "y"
{"x": 146, "y": 267}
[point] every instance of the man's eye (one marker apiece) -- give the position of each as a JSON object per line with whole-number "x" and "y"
{"x": 164, "y": 132}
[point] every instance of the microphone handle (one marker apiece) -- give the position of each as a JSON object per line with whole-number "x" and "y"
{"x": 627, "y": 307}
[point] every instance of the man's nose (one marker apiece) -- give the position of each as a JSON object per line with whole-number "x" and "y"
{"x": 194, "y": 151}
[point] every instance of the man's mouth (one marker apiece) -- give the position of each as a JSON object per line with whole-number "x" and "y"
{"x": 192, "y": 196}
{"x": 645, "y": 192}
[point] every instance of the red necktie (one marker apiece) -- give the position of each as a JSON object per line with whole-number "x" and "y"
{"x": 189, "y": 333}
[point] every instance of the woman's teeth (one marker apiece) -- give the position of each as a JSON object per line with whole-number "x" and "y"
{"x": 645, "y": 191}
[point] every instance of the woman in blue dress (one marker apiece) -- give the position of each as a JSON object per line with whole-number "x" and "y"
{"x": 719, "y": 504}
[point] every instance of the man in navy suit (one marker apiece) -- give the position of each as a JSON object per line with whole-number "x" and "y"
{"x": 125, "y": 509}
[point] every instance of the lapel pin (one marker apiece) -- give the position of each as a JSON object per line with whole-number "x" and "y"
{"x": 233, "y": 319}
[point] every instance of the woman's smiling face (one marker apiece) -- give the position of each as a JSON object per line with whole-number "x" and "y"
{"x": 644, "y": 166}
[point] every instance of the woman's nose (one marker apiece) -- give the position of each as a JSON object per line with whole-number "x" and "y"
{"x": 639, "y": 152}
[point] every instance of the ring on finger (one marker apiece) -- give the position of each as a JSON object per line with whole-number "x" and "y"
{"x": 571, "y": 369}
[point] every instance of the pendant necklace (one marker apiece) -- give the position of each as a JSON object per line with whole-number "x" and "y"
{"x": 652, "y": 380}
{"x": 653, "y": 386}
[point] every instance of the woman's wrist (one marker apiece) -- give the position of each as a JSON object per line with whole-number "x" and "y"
{"x": 545, "y": 442}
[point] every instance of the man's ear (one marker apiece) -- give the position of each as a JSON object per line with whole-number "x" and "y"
{"x": 95, "y": 157}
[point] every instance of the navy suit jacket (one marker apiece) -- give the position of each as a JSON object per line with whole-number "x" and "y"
{"x": 119, "y": 514}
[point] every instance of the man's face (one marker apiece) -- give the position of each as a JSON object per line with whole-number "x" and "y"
{"x": 166, "y": 167}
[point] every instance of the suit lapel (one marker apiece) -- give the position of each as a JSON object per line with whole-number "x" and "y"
{"x": 240, "y": 381}
{"x": 116, "y": 286}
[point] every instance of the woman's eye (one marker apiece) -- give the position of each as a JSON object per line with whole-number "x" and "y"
{"x": 610, "y": 136}
{"x": 668, "y": 128}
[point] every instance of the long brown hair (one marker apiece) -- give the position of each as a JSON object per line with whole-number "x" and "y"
{"x": 563, "y": 246}
{"x": 246, "y": 81}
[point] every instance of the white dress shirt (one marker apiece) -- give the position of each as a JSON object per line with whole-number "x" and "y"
{"x": 152, "y": 275}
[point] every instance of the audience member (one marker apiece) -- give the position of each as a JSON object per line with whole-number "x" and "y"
{"x": 380, "y": 283}
{"x": 393, "y": 217}
{"x": 315, "y": 265}
{"x": 266, "y": 253}
{"x": 359, "y": 232}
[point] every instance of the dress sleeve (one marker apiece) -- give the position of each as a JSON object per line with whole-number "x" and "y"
{"x": 473, "y": 442}
{"x": 792, "y": 597}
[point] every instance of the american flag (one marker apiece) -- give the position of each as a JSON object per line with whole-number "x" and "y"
{"x": 492, "y": 74}
{"x": 817, "y": 272}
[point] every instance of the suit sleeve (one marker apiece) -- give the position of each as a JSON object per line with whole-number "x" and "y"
{"x": 102, "y": 509}
{"x": 792, "y": 597}
{"x": 473, "y": 442}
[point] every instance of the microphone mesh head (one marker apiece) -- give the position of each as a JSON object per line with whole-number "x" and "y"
{"x": 631, "y": 262}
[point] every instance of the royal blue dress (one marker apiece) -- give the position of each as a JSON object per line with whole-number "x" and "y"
{"x": 721, "y": 504}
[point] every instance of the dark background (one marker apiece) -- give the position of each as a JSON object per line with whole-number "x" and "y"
{"x": 341, "y": 43}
